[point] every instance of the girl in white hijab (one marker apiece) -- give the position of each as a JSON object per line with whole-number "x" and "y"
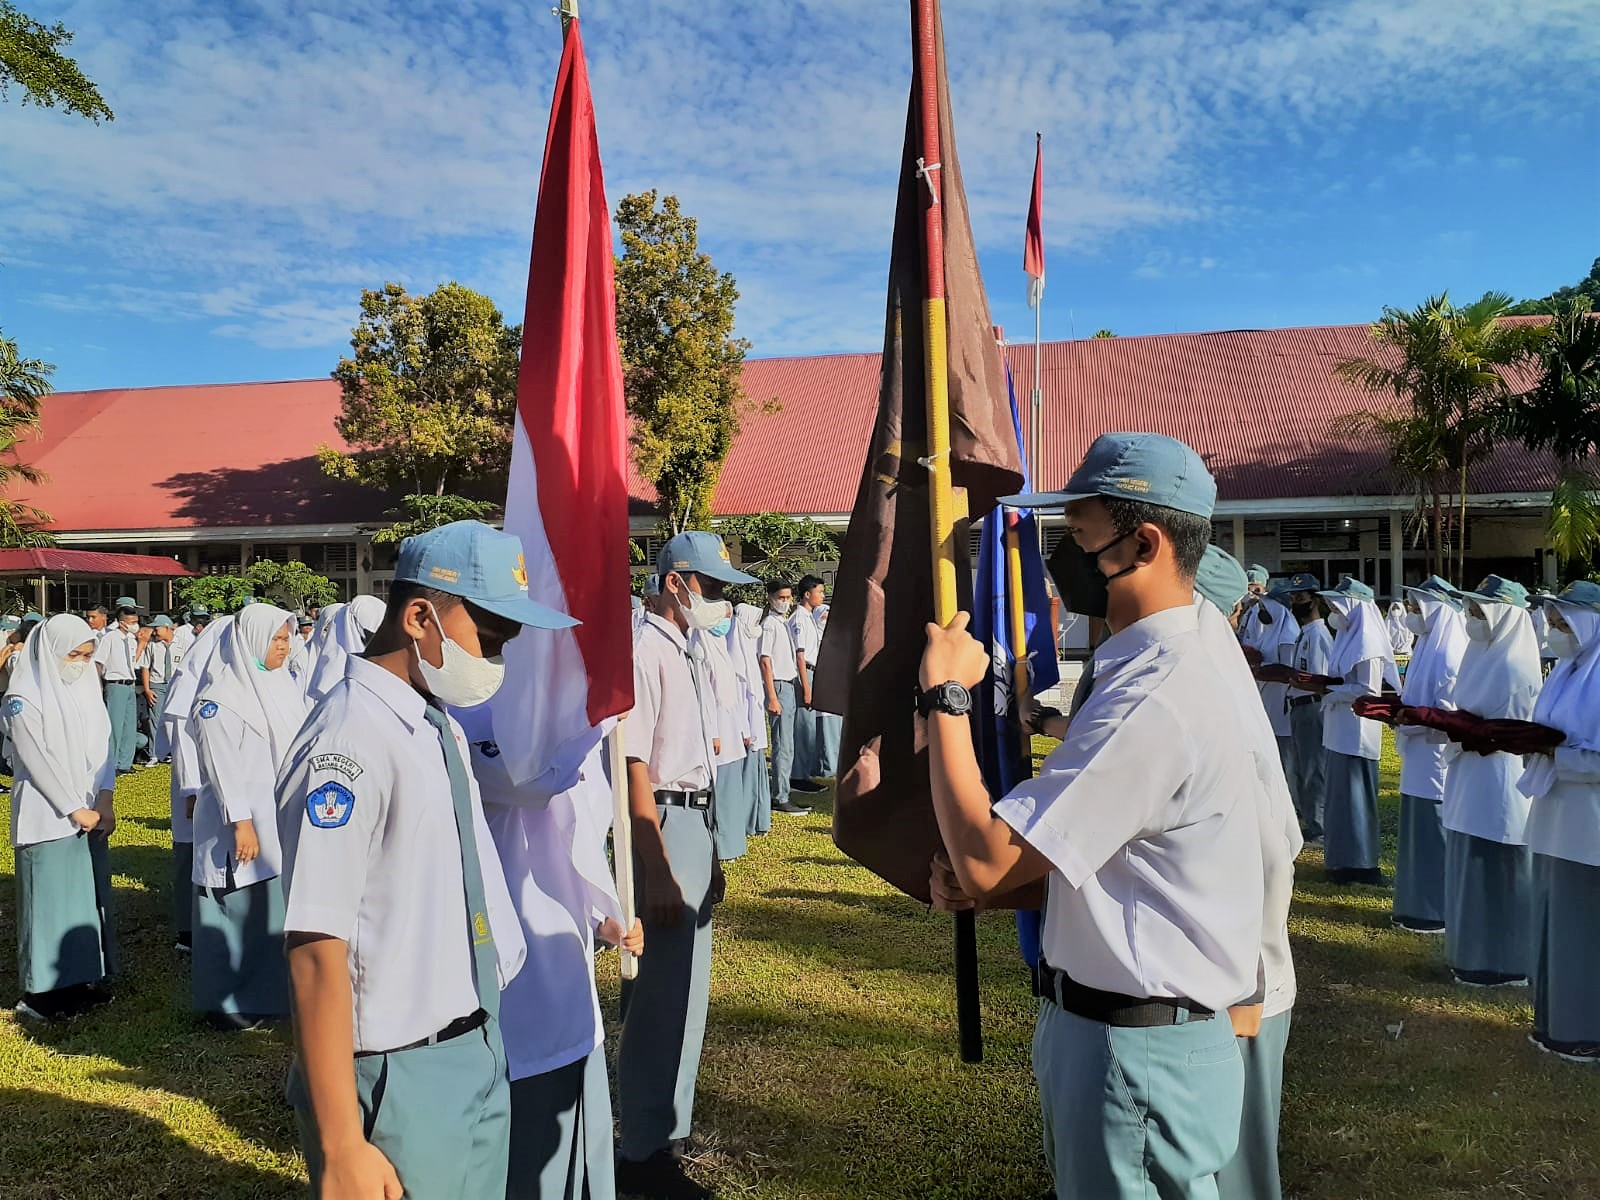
{"x": 247, "y": 713}
{"x": 185, "y": 786}
{"x": 1564, "y": 834}
{"x": 728, "y": 716}
{"x": 1488, "y": 867}
{"x": 1401, "y": 636}
{"x": 1364, "y": 659}
{"x": 61, "y": 817}
{"x": 345, "y": 633}
{"x": 1434, "y": 619}
{"x": 744, "y": 647}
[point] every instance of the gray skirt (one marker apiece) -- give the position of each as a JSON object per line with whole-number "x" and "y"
{"x": 1566, "y": 951}
{"x": 182, "y": 887}
{"x": 1350, "y": 812}
{"x": 237, "y": 964}
{"x": 755, "y": 766}
{"x": 63, "y": 933}
{"x": 733, "y": 808}
{"x": 1419, "y": 868}
{"x": 1488, "y": 909}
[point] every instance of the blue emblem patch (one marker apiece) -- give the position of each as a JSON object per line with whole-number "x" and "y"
{"x": 14, "y": 706}
{"x": 208, "y": 710}
{"x": 488, "y": 749}
{"x": 329, "y": 805}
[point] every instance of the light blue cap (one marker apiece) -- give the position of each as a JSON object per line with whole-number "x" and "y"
{"x": 1304, "y": 582}
{"x": 1582, "y": 594}
{"x": 1348, "y": 589}
{"x": 32, "y": 618}
{"x": 1257, "y": 573}
{"x": 1221, "y": 580}
{"x": 200, "y": 611}
{"x": 1279, "y": 590}
{"x": 1438, "y": 588}
{"x": 1148, "y": 467}
{"x": 700, "y": 553}
{"x": 1496, "y": 589}
{"x": 161, "y": 622}
{"x": 478, "y": 563}
{"x": 126, "y": 602}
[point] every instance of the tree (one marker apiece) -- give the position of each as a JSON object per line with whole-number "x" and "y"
{"x": 290, "y": 585}
{"x": 682, "y": 366}
{"x": 1561, "y": 414}
{"x": 1447, "y": 364}
{"x": 1558, "y": 300}
{"x": 776, "y": 546}
{"x": 31, "y": 55}
{"x": 24, "y": 383}
{"x": 418, "y": 514}
{"x": 1102, "y": 333}
{"x": 429, "y": 391}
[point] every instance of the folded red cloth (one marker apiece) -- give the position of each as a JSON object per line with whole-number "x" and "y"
{"x": 1252, "y": 656}
{"x": 1309, "y": 682}
{"x": 1384, "y": 708}
{"x": 1486, "y": 735}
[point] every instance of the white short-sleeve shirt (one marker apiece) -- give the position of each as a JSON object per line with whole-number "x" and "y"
{"x": 807, "y": 637}
{"x": 1146, "y": 812}
{"x": 1313, "y": 651}
{"x": 161, "y": 659}
{"x": 1342, "y": 730}
{"x": 667, "y": 728}
{"x": 117, "y": 654}
{"x": 777, "y": 644}
{"x": 1275, "y": 640}
{"x": 371, "y": 856}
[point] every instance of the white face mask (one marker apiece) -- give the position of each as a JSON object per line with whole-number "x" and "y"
{"x": 1478, "y": 629}
{"x": 1336, "y": 621}
{"x": 782, "y": 607}
{"x": 71, "y": 672}
{"x": 463, "y": 680}
{"x": 1417, "y": 623}
{"x": 1562, "y": 644}
{"x": 701, "y": 613}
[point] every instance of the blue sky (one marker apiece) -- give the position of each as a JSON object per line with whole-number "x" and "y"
{"x": 1208, "y": 165}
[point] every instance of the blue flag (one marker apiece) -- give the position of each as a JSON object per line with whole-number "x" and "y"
{"x": 1004, "y": 751}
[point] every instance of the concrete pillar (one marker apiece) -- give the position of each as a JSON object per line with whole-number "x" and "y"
{"x": 247, "y": 555}
{"x": 1397, "y": 552}
{"x": 141, "y": 589}
{"x": 363, "y": 563}
{"x": 1238, "y": 539}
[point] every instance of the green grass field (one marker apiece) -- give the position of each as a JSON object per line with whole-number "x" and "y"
{"x": 830, "y": 1068}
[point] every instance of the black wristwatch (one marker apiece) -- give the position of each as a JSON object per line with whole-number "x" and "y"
{"x": 949, "y": 698}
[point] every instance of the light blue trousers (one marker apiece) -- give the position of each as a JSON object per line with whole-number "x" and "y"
{"x": 122, "y": 706}
{"x": 759, "y": 819}
{"x": 441, "y": 1114}
{"x": 1137, "y": 1113}
{"x": 1252, "y": 1173}
{"x": 561, "y": 1134}
{"x": 780, "y": 739}
{"x": 1306, "y": 784}
{"x": 734, "y": 802}
{"x": 830, "y": 728}
{"x": 807, "y": 742}
{"x": 664, "y": 1009}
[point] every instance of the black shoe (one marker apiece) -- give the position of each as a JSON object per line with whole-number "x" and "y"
{"x": 1412, "y": 925}
{"x": 659, "y": 1177}
{"x": 233, "y": 1022}
{"x": 793, "y": 809}
{"x": 805, "y": 785}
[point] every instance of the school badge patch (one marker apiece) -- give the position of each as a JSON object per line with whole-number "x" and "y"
{"x": 14, "y": 706}
{"x": 207, "y": 710}
{"x": 329, "y": 805}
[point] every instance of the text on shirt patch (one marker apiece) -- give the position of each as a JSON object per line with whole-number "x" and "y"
{"x": 329, "y": 805}
{"x": 339, "y": 763}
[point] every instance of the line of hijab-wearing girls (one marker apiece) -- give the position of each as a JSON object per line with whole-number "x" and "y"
{"x": 236, "y": 702}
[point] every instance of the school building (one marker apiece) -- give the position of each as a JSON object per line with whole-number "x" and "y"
{"x": 217, "y": 477}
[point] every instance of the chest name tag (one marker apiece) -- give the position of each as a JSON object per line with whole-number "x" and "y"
{"x": 341, "y": 764}
{"x": 329, "y": 805}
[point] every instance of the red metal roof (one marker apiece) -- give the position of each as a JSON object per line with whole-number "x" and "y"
{"x": 1259, "y": 405}
{"x": 50, "y": 560}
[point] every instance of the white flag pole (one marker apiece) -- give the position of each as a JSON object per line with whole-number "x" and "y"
{"x": 622, "y": 843}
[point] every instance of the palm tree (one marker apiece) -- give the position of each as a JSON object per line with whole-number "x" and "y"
{"x": 1561, "y": 414}
{"x": 1447, "y": 365}
{"x": 24, "y": 382}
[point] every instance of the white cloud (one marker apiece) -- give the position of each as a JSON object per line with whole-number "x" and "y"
{"x": 267, "y": 162}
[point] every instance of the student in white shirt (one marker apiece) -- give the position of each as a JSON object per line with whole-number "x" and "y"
{"x": 1313, "y": 650}
{"x": 1488, "y": 866}
{"x": 157, "y": 665}
{"x": 117, "y": 658}
{"x": 807, "y": 726}
{"x": 247, "y": 712}
{"x": 830, "y": 726}
{"x": 1364, "y": 660}
{"x": 670, "y": 754}
{"x": 1148, "y": 807}
{"x": 1401, "y": 638}
{"x": 401, "y": 932}
{"x": 1564, "y": 833}
{"x": 1269, "y": 628}
{"x": 1433, "y": 616}
{"x": 752, "y": 799}
{"x": 780, "y": 675}
{"x": 61, "y": 816}
{"x": 99, "y": 619}
{"x": 724, "y": 697}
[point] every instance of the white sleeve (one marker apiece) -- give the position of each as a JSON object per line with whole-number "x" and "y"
{"x": 44, "y": 773}
{"x": 238, "y": 765}
{"x": 1575, "y": 765}
{"x": 326, "y": 858}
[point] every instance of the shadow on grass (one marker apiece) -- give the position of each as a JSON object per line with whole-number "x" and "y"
{"x": 80, "y": 1149}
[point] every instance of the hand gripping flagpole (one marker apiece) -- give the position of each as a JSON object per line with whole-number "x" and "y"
{"x": 941, "y": 500}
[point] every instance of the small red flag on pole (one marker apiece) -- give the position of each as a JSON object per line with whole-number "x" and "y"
{"x": 1033, "y": 247}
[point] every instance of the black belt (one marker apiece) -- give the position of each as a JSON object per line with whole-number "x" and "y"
{"x": 1301, "y": 701}
{"x": 684, "y": 799}
{"x": 119, "y": 682}
{"x": 1111, "y": 1008}
{"x": 455, "y": 1029}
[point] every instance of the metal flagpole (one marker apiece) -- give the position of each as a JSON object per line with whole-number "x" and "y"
{"x": 941, "y": 498}
{"x": 1036, "y": 413}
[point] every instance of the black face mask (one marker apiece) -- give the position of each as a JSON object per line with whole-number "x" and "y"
{"x": 1078, "y": 577}
{"x": 1302, "y": 608}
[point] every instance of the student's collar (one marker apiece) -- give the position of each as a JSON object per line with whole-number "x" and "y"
{"x": 668, "y": 628}
{"x": 401, "y": 698}
{"x": 1144, "y": 633}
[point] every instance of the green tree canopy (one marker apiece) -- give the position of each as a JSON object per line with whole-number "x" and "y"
{"x": 1562, "y": 298}
{"x": 418, "y": 514}
{"x": 430, "y": 390}
{"x": 24, "y": 383}
{"x": 1103, "y": 333}
{"x": 290, "y": 585}
{"x": 681, "y": 363}
{"x": 776, "y": 546}
{"x": 31, "y": 56}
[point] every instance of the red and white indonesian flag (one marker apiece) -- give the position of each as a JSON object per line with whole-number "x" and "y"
{"x": 568, "y": 493}
{"x": 1033, "y": 246}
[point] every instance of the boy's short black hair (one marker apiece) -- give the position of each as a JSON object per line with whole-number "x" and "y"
{"x": 774, "y": 586}
{"x": 97, "y": 608}
{"x": 807, "y": 582}
{"x": 1190, "y": 534}
{"x": 404, "y": 592}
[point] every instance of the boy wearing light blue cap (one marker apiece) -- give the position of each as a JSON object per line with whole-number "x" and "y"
{"x": 399, "y": 1078}
{"x": 671, "y": 750}
{"x": 1143, "y": 828}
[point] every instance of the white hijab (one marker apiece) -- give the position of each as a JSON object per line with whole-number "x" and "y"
{"x": 1400, "y": 638}
{"x": 1363, "y": 636}
{"x": 346, "y": 634}
{"x": 1436, "y": 659}
{"x": 1570, "y": 700}
{"x": 77, "y": 729}
{"x": 1501, "y": 677}
{"x": 191, "y": 671}
{"x": 269, "y": 702}
{"x": 746, "y": 636}
{"x": 323, "y": 623}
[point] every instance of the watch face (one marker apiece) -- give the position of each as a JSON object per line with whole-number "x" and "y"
{"x": 957, "y": 696}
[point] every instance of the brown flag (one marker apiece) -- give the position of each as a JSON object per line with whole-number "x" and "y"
{"x": 883, "y": 595}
